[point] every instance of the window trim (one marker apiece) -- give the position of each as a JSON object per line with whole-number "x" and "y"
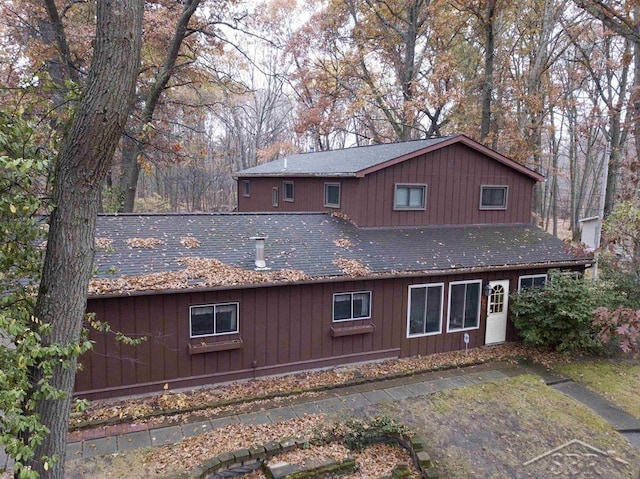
{"x": 453, "y": 283}
{"x": 246, "y": 188}
{"x": 214, "y": 306}
{"x": 274, "y": 197}
{"x": 351, "y": 293}
{"x": 410, "y": 186}
{"x": 326, "y": 202}
{"x": 528, "y": 276}
{"x": 492, "y": 207}
{"x": 284, "y": 191}
{"x": 426, "y": 286}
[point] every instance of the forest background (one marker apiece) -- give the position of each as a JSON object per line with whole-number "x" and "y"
{"x": 224, "y": 85}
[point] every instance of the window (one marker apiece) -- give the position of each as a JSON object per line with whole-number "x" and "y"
{"x": 274, "y": 197}
{"x": 532, "y": 281}
{"x": 213, "y": 319}
{"x": 425, "y": 309}
{"x": 287, "y": 191}
{"x": 349, "y": 306}
{"x": 493, "y": 197}
{"x": 246, "y": 188}
{"x": 464, "y": 305}
{"x": 332, "y": 195}
{"x": 410, "y": 197}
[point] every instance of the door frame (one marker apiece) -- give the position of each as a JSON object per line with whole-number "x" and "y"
{"x": 496, "y": 322}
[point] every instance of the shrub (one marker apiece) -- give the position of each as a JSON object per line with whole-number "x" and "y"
{"x": 560, "y": 316}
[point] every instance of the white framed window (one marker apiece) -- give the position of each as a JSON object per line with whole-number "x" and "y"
{"x": 424, "y": 315}
{"x": 332, "y": 195}
{"x": 532, "y": 281}
{"x": 213, "y": 319}
{"x": 274, "y": 196}
{"x": 246, "y": 188}
{"x": 352, "y": 306}
{"x": 287, "y": 191}
{"x": 410, "y": 197}
{"x": 464, "y": 305}
{"x": 493, "y": 197}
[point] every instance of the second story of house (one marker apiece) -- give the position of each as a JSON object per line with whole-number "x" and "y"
{"x": 440, "y": 181}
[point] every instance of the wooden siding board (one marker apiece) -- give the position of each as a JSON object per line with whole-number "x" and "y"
{"x": 267, "y": 318}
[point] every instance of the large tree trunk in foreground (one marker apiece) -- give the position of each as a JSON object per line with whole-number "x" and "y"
{"x": 84, "y": 159}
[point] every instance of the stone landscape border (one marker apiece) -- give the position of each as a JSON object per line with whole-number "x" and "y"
{"x": 255, "y": 456}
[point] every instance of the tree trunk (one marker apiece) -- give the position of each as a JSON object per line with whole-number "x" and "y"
{"x": 133, "y": 149}
{"x": 487, "y": 85}
{"x": 85, "y": 156}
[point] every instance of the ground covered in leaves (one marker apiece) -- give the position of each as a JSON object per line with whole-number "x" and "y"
{"x": 182, "y": 456}
{"x": 241, "y": 396}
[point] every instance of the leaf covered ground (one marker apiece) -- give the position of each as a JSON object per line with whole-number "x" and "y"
{"x": 243, "y": 395}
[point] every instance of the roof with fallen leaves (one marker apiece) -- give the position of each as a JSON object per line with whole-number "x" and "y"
{"x": 362, "y": 160}
{"x": 140, "y": 252}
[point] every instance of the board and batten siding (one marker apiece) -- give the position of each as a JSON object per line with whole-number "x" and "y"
{"x": 453, "y": 176}
{"x": 283, "y": 328}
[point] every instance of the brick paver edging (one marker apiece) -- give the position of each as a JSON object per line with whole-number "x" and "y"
{"x": 255, "y": 456}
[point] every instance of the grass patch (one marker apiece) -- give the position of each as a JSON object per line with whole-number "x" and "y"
{"x": 492, "y": 429}
{"x": 617, "y": 381}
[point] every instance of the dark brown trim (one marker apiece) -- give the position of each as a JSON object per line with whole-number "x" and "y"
{"x": 157, "y": 386}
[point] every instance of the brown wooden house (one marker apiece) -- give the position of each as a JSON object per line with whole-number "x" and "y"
{"x": 334, "y": 257}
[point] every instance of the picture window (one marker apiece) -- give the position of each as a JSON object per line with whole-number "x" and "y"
{"x": 493, "y": 197}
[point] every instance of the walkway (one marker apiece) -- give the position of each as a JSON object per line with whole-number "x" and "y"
{"x": 111, "y": 439}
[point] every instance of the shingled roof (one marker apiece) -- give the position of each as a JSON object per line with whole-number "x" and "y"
{"x": 314, "y": 245}
{"x": 359, "y": 161}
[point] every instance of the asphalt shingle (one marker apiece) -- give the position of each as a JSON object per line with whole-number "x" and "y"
{"x": 343, "y": 162}
{"x": 311, "y": 242}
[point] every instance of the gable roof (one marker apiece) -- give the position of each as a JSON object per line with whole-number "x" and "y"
{"x": 363, "y": 160}
{"x": 314, "y": 246}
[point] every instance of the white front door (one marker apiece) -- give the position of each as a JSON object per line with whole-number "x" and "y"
{"x": 497, "y": 307}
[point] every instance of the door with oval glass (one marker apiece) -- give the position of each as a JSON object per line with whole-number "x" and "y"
{"x": 497, "y": 308}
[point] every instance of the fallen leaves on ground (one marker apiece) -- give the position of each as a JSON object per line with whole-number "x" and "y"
{"x": 254, "y": 391}
{"x": 197, "y": 449}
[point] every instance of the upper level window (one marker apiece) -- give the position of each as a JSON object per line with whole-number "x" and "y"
{"x": 532, "y": 281}
{"x": 246, "y": 188}
{"x": 287, "y": 191}
{"x": 464, "y": 305}
{"x": 274, "y": 197}
{"x": 410, "y": 197}
{"x": 213, "y": 319}
{"x": 332, "y": 195}
{"x": 349, "y": 306}
{"x": 493, "y": 197}
{"x": 425, "y": 309}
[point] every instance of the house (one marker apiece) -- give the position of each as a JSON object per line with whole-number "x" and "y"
{"x": 378, "y": 252}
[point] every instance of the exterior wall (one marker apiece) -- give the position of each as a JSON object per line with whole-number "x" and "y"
{"x": 453, "y": 176}
{"x": 308, "y": 194}
{"x": 283, "y": 328}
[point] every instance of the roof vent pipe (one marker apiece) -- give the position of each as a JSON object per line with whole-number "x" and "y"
{"x": 260, "y": 262}
{"x": 285, "y": 162}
